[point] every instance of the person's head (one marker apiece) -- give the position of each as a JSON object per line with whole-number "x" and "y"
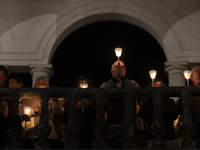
{"x": 15, "y": 82}
{"x": 84, "y": 81}
{"x": 195, "y": 75}
{"x": 158, "y": 82}
{"x": 4, "y": 108}
{"x": 4, "y": 73}
{"x": 61, "y": 101}
{"x": 114, "y": 67}
{"x": 41, "y": 82}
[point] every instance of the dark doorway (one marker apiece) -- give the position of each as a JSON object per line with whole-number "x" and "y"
{"x": 89, "y": 51}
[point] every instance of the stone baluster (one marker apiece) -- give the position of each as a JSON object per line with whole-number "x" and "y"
{"x": 158, "y": 129}
{"x": 187, "y": 125}
{"x": 72, "y": 129}
{"x": 129, "y": 129}
{"x": 43, "y": 129}
{"x": 100, "y": 128}
{"x": 16, "y": 132}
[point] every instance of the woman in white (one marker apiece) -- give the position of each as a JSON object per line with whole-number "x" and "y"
{"x": 35, "y": 104}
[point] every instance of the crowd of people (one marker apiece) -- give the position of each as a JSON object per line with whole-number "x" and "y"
{"x": 86, "y": 112}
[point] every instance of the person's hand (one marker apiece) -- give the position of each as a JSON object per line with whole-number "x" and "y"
{"x": 25, "y": 117}
{"x": 37, "y": 109}
{"x": 83, "y": 103}
{"x": 117, "y": 71}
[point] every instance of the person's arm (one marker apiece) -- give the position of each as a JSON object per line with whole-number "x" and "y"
{"x": 111, "y": 83}
{"x": 129, "y": 83}
{"x": 169, "y": 110}
{"x": 56, "y": 108}
{"x": 146, "y": 109}
{"x": 7, "y": 123}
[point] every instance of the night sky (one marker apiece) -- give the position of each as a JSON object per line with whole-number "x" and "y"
{"x": 89, "y": 51}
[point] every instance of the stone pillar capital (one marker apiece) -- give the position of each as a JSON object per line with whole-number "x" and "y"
{"x": 175, "y": 73}
{"x": 41, "y": 71}
{"x": 175, "y": 69}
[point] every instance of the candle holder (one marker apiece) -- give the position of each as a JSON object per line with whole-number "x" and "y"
{"x": 27, "y": 111}
{"x": 118, "y": 52}
{"x": 152, "y": 74}
{"x": 83, "y": 85}
{"x": 187, "y": 74}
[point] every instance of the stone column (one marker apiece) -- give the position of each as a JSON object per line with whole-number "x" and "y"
{"x": 175, "y": 73}
{"x": 41, "y": 71}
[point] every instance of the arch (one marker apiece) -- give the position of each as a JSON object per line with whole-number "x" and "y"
{"x": 174, "y": 24}
{"x": 133, "y": 14}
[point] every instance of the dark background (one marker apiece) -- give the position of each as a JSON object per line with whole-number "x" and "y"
{"x": 89, "y": 51}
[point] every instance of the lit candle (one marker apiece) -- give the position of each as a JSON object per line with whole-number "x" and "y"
{"x": 152, "y": 75}
{"x": 83, "y": 85}
{"x": 187, "y": 74}
{"x": 27, "y": 110}
{"x": 118, "y": 52}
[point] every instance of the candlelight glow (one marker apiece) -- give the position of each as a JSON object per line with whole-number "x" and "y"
{"x": 27, "y": 110}
{"x": 118, "y": 52}
{"x": 187, "y": 74}
{"x": 83, "y": 85}
{"x": 153, "y": 74}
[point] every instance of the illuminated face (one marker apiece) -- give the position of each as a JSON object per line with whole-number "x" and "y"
{"x": 123, "y": 68}
{"x": 61, "y": 101}
{"x": 3, "y": 78}
{"x": 83, "y": 84}
{"x": 14, "y": 84}
{"x": 158, "y": 84}
{"x": 195, "y": 76}
{"x": 41, "y": 83}
{"x": 4, "y": 108}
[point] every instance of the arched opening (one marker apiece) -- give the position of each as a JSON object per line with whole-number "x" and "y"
{"x": 89, "y": 51}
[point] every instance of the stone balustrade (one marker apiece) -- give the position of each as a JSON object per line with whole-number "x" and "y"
{"x": 100, "y": 129}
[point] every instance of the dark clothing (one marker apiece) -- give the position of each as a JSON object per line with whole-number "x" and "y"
{"x": 195, "y": 114}
{"x": 5, "y": 125}
{"x": 115, "y": 109}
{"x": 86, "y": 121}
{"x": 85, "y": 118}
{"x": 115, "y": 106}
{"x": 169, "y": 114}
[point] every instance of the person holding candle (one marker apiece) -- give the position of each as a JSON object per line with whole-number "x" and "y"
{"x": 194, "y": 106}
{"x": 169, "y": 112}
{"x": 115, "y": 106}
{"x": 59, "y": 125}
{"x": 85, "y": 114}
{"x": 35, "y": 104}
{"x": 7, "y": 123}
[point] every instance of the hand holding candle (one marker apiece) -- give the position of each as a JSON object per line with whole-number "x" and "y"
{"x": 83, "y": 104}
{"x": 83, "y": 84}
{"x": 27, "y": 110}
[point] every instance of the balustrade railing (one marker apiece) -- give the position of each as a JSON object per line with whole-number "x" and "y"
{"x": 100, "y": 129}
